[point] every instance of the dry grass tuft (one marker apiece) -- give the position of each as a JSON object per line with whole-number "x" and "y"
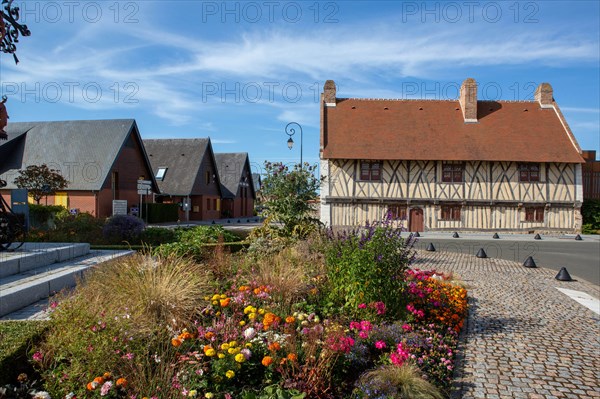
{"x": 399, "y": 382}
{"x": 152, "y": 290}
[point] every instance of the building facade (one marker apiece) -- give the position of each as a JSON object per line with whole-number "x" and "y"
{"x": 463, "y": 165}
{"x": 101, "y": 159}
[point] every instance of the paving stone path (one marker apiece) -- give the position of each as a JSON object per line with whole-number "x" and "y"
{"x": 523, "y": 337}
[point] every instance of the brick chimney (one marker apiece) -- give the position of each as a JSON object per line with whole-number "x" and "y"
{"x": 329, "y": 93}
{"x": 468, "y": 100}
{"x": 543, "y": 95}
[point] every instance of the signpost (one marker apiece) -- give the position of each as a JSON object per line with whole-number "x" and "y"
{"x": 144, "y": 187}
{"x": 119, "y": 207}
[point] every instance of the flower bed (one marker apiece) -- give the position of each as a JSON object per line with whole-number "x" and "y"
{"x": 243, "y": 334}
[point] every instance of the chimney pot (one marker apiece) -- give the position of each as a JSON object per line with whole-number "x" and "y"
{"x": 468, "y": 100}
{"x": 329, "y": 93}
{"x": 544, "y": 95}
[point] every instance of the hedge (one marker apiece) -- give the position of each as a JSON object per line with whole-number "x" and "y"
{"x": 161, "y": 213}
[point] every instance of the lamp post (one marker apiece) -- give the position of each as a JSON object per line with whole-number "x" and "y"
{"x": 290, "y": 130}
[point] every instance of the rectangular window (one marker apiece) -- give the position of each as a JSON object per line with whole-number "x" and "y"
{"x": 160, "y": 174}
{"x": 453, "y": 172}
{"x": 450, "y": 212}
{"x": 534, "y": 214}
{"x": 370, "y": 170}
{"x": 529, "y": 172}
{"x": 397, "y": 212}
{"x": 207, "y": 177}
{"x": 208, "y": 204}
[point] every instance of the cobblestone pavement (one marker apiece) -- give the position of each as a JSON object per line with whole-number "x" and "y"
{"x": 523, "y": 337}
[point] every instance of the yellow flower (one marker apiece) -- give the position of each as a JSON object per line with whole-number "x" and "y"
{"x": 223, "y": 296}
{"x": 215, "y": 302}
{"x": 248, "y": 344}
{"x": 211, "y": 352}
{"x": 261, "y": 311}
{"x": 240, "y": 358}
{"x": 230, "y": 374}
{"x": 192, "y": 393}
{"x": 249, "y": 309}
{"x": 224, "y": 346}
{"x": 252, "y": 316}
{"x": 233, "y": 351}
{"x": 232, "y": 343}
{"x": 242, "y": 323}
{"x": 209, "y": 395}
{"x": 221, "y": 355}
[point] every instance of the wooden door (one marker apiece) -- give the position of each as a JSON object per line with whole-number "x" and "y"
{"x": 416, "y": 220}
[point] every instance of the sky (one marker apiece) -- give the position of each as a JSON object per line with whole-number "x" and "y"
{"x": 239, "y": 72}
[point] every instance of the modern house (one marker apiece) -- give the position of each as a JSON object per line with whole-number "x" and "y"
{"x": 186, "y": 173}
{"x": 450, "y": 165}
{"x": 101, "y": 159}
{"x": 237, "y": 186}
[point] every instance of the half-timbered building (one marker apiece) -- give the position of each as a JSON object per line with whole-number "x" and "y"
{"x": 450, "y": 164}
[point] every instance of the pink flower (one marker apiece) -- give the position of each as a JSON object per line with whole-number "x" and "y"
{"x": 380, "y": 344}
{"x": 363, "y": 334}
{"x": 366, "y": 325}
{"x": 105, "y": 388}
{"x": 362, "y": 306}
{"x": 406, "y": 327}
{"x": 354, "y": 325}
{"x": 38, "y": 357}
{"x": 380, "y": 306}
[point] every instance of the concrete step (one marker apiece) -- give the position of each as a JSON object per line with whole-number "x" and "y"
{"x": 25, "y": 288}
{"x": 33, "y": 255}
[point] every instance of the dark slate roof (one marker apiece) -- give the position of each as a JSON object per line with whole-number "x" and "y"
{"x": 83, "y": 151}
{"x": 182, "y": 158}
{"x": 230, "y": 166}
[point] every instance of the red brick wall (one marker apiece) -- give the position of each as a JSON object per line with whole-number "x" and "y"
{"x": 129, "y": 166}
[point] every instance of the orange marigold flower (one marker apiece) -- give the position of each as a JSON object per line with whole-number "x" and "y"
{"x": 99, "y": 380}
{"x": 107, "y": 376}
{"x": 290, "y": 319}
{"x": 274, "y": 346}
{"x": 121, "y": 382}
{"x": 185, "y": 335}
{"x": 175, "y": 342}
{"x": 292, "y": 357}
{"x": 90, "y": 387}
{"x": 267, "y": 360}
{"x": 209, "y": 335}
{"x": 225, "y": 302}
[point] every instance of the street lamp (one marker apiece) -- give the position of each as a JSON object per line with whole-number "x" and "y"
{"x": 290, "y": 131}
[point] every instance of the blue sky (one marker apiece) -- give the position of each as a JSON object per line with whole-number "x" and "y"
{"x": 240, "y": 71}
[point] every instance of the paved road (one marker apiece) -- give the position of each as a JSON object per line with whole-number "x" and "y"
{"x": 581, "y": 258}
{"x": 524, "y": 338}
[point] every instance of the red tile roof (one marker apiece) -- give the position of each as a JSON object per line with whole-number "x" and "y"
{"x": 435, "y": 130}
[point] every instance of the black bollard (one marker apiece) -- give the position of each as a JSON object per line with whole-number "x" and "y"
{"x": 537, "y": 237}
{"x": 495, "y": 236}
{"x": 430, "y": 247}
{"x": 481, "y": 253}
{"x": 417, "y": 234}
{"x": 529, "y": 262}
{"x": 563, "y": 275}
{"x": 578, "y": 238}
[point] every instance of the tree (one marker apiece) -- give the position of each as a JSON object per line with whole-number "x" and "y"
{"x": 40, "y": 181}
{"x": 286, "y": 194}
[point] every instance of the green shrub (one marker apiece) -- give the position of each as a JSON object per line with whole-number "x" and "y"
{"x": 590, "y": 212}
{"x": 161, "y": 213}
{"x": 367, "y": 265}
{"x": 16, "y": 339}
{"x": 42, "y": 216}
{"x": 155, "y": 236}
{"x": 83, "y": 227}
{"x": 123, "y": 228}
{"x": 192, "y": 242}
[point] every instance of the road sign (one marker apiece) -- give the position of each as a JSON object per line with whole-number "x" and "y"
{"x": 119, "y": 207}
{"x": 144, "y": 187}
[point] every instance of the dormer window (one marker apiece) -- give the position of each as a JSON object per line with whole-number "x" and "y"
{"x": 160, "y": 175}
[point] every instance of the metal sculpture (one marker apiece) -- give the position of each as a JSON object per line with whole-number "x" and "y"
{"x": 10, "y": 29}
{"x": 12, "y": 227}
